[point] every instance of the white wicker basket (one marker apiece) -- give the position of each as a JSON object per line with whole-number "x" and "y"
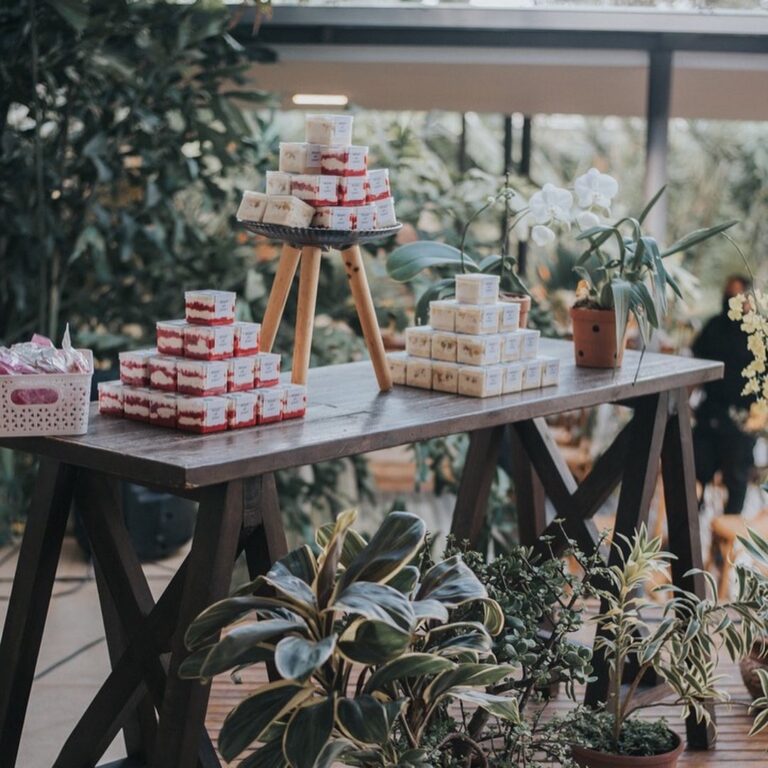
{"x": 66, "y": 414}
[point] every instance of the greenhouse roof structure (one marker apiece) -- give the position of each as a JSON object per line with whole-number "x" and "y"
{"x": 539, "y": 60}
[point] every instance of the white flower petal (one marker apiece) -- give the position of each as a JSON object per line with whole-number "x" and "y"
{"x": 539, "y": 208}
{"x": 587, "y": 219}
{"x": 606, "y": 185}
{"x": 542, "y": 235}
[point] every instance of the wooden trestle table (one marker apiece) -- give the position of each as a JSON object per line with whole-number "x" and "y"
{"x": 231, "y": 475}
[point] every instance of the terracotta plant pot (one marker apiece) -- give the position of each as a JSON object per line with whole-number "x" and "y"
{"x": 524, "y": 302}
{"x": 590, "y": 758}
{"x": 594, "y": 338}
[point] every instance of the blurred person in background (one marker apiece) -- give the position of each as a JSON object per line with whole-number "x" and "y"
{"x": 719, "y": 440}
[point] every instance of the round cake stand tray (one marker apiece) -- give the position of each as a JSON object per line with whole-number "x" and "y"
{"x": 340, "y": 239}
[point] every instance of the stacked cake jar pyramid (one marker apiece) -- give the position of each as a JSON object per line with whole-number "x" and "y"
{"x": 473, "y": 346}
{"x": 206, "y": 374}
{"x": 323, "y": 182}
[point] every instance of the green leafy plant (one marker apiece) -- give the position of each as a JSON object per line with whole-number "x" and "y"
{"x": 368, "y": 649}
{"x": 681, "y": 649}
{"x": 623, "y": 269}
{"x": 755, "y": 582}
{"x": 543, "y": 604}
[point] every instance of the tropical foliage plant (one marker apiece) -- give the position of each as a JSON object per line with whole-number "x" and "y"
{"x": 543, "y": 602}
{"x": 681, "y": 649}
{"x": 622, "y": 269}
{"x": 368, "y": 648}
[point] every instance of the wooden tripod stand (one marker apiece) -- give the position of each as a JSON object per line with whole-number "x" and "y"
{"x": 309, "y": 256}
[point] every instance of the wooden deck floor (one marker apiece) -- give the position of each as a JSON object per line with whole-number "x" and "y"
{"x": 734, "y": 747}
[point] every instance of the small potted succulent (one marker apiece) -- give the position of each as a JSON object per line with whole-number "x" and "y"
{"x": 622, "y": 273}
{"x": 681, "y": 649}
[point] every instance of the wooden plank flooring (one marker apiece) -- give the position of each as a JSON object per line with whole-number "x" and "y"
{"x": 733, "y": 748}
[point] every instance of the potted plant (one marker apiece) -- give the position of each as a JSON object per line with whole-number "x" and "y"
{"x": 681, "y": 649}
{"x": 367, "y": 647}
{"x": 538, "y": 218}
{"x": 622, "y": 273}
{"x": 543, "y": 601}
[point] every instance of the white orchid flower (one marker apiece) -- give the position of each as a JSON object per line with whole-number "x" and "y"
{"x": 595, "y": 188}
{"x": 587, "y": 219}
{"x": 542, "y": 235}
{"x": 551, "y": 204}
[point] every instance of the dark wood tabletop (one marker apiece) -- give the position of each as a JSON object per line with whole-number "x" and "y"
{"x": 347, "y": 416}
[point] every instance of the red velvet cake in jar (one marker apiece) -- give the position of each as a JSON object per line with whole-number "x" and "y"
{"x": 242, "y": 409}
{"x": 134, "y": 367}
{"x": 385, "y": 213}
{"x": 210, "y": 307}
{"x": 270, "y": 405}
{"x": 201, "y": 378}
{"x": 314, "y": 189}
{"x": 202, "y": 414}
{"x": 378, "y": 185}
{"x": 344, "y": 161}
{"x": 240, "y": 374}
{"x": 136, "y": 403}
{"x": 266, "y": 369}
{"x": 353, "y": 190}
{"x": 335, "y": 217}
{"x": 111, "y": 398}
{"x": 365, "y": 217}
{"x": 294, "y": 401}
{"x": 162, "y": 408}
{"x": 247, "y": 339}
{"x": 209, "y": 342}
{"x": 170, "y": 337}
{"x": 162, "y": 372}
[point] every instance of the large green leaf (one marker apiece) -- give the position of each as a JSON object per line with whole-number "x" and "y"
{"x": 405, "y": 580}
{"x": 330, "y": 557}
{"x": 464, "y": 676}
{"x": 430, "y": 609}
{"x": 454, "y": 639}
{"x": 292, "y": 587}
{"x": 223, "y": 613}
{"x": 332, "y": 753}
{"x": 407, "y": 665}
{"x": 376, "y": 601}
{"x": 250, "y": 719}
{"x": 373, "y": 642}
{"x": 451, "y": 583}
{"x": 353, "y": 544}
{"x": 367, "y": 720}
{"x": 308, "y": 732}
{"x": 297, "y": 658}
{"x": 301, "y": 563}
{"x": 397, "y": 540}
{"x": 405, "y": 262}
{"x": 243, "y": 645}
{"x": 504, "y": 707}
{"x": 189, "y": 669}
{"x": 240, "y": 646}
{"x": 698, "y": 236}
{"x": 270, "y": 755}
